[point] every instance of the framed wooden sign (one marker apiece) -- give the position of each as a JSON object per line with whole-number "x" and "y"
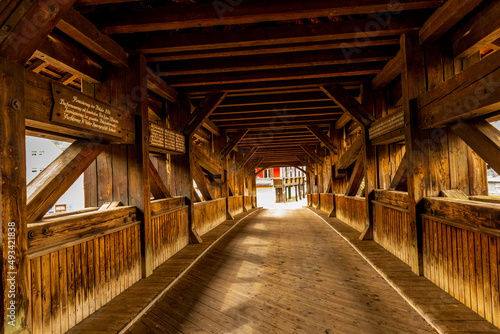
{"x": 80, "y": 111}
{"x": 166, "y": 140}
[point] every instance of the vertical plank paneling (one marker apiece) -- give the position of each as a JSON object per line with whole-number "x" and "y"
{"x": 46, "y": 303}
{"x": 36, "y": 295}
{"x": 54, "y": 293}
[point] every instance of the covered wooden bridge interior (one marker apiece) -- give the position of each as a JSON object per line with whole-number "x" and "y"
{"x": 386, "y": 105}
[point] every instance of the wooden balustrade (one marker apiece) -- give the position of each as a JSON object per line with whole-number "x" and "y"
{"x": 207, "y": 215}
{"x": 351, "y": 210}
{"x": 235, "y": 204}
{"x": 78, "y": 263}
{"x": 461, "y": 252}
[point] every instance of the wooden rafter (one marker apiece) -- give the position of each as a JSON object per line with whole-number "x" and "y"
{"x": 235, "y": 139}
{"x": 477, "y": 32}
{"x": 444, "y": 18}
{"x": 211, "y": 127}
{"x": 342, "y": 121}
{"x": 23, "y": 40}
{"x": 58, "y": 51}
{"x": 483, "y": 138}
{"x": 310, "y": 152}
{"x": 202, "y": 112}
{"x": 160, "y": 87}
{"x": 171, "y": 18}
{"x": 247, "y": 157}
{"x": 254, "y": 164}
{"x": 158, "y": 187}
{"x": 356, "y": 178}
{"x": 44, "y": 191}
{"x": 318, "y": 133}
{"x": 83, "y": 31}
{"x": 349, "y": 104}
{"x": 305, "y": 162}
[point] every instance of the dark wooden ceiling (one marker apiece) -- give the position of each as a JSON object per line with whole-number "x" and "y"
{"x": 271, "y": 57}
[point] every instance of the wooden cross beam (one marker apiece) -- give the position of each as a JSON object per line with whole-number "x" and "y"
{"x": 318, "y": 133}
{"x": 24, "y": 39}
{"x": 157, "y": 186}
{"x": 76, "y": 26}
{"x": 390, "y": 71}
{"x": 201, "y": 182}
{"x": 253, "y": 165}
{"x": 349, "y": 157}
{"x": 203, "y": 111}
{"x": 206, "y": 161}
{"x": 305, "y": 162}
{"x": 44, "y": 191}
{"x": 483, "y": 138}
{"x": 356, "y": 178}
{"x": 401, "y": 173}
{"x": 342, "y": 121}
{"x": 160, "y": 87}
{"x": 309, "y": 151}
{"x": 247, "y": 157}
{"x": 235, "y": 139}
{"x": 349, "y": 104}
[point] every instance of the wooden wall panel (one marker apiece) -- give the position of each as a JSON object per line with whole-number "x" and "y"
{"x": 70, "y": 284}
{"x": 315, "y": 200}
{"x": 351, "y": 210}
{"x": 390, "y": 230}
{"x": 207, "y": 215}
{"x": 171, "y": 234}
{"x": 327, "y": 202}
{"x": 248, "y": 202}
{"x": 235, "y": 205}
{"x": 465, "y": 264}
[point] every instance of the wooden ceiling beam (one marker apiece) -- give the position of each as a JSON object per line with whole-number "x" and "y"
{"x": 76, "y": 26}
{"x": 278, "y": 114}
{"x": 272, "y": 62}
{"x": 318, "y": 133}
{"x": 207, "y": 15}
{"x": 389, "y": 72}
{"x": 247, "y": 157}
{"x": 272, "y": 49}
{"x": 352, "y": 82}
{"x": 342, "y": 121}
{"x": 313, "y": 155}
{"x": 349, "y": 104}
{"x": 60, "y": 52}
{"x": 280, "y": 122}
{"x": 160, "y": 87}
{"x": 304, "y": 161}
{"x": 478, "y": 32}
{"x": 277, "y": 109}
{"x": 315, "y": 72}
{"x": 270, "y": 99}
{"x": 211, "y": 127}
{"x": 445, "y": 18}
{"x": 235, "y": 139}
{"x": 202, "y": 112}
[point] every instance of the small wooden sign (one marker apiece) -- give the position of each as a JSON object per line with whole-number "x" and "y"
{"x": 83, "y": 112}
{"x": 166, "y": 139}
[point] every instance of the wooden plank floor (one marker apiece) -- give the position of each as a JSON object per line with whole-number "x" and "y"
{"x": 281, "y": 271}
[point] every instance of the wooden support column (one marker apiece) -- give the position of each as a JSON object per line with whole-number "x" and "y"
{"x": 370, "y": 166}
{"x": 181, "y": 164}
{"x": 138, "y": 159}
{"x": 13, "y": 198}
{"x": 417, "y": 143}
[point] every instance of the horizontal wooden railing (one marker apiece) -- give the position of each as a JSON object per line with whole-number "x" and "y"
{"x": 207, "y": 215}
{"x": 461, "y": 252}
{"x": 78, "y": 263}
{"x": 391, "y": 222}
{"x": 351, "y": 210}
{"x": 235, "y": 205}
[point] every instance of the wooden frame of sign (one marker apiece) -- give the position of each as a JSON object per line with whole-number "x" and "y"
{"x": 163, "y": 140}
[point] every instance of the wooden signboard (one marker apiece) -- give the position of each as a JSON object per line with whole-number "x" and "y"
{"x": 80, "y": 111}
{"x": 166, "y": 140}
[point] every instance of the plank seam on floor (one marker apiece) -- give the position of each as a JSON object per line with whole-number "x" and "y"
{"x": 432, "y": 322}
{"x": 167, "y": 288}
{"x": 384, "y": 276}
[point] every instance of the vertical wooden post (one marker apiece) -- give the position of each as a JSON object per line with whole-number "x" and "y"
{"x": 370, "y": 166}
{"x": 14, "y": 285}
{"x": 225, "y": 167}
{"x": 138, "y": 158}
{"x": 417, "y": 142}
